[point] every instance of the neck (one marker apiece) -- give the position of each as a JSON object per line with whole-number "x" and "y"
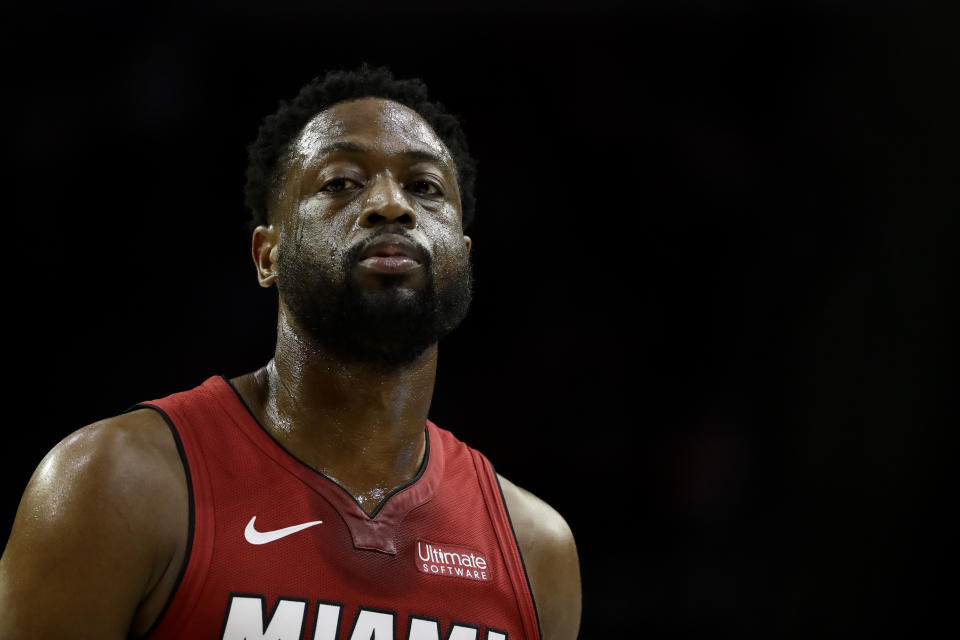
{"x": 360, "y": 424}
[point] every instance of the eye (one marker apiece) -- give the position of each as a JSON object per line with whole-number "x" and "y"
{"x": 424, "y": 188}
{"x": 339, "y": 184}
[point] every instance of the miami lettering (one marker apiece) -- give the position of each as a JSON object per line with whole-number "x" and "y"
{"x": 247, "y": 619}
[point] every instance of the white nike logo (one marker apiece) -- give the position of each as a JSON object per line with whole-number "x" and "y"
{"x": 263, "y": 537}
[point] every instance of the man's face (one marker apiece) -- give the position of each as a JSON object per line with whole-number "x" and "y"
{"x": 371, "y": 258}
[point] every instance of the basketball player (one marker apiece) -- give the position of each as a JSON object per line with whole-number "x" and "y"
{"x": 312, "y": 498}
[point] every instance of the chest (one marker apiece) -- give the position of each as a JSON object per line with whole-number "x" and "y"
{"x": 278, "y": 551}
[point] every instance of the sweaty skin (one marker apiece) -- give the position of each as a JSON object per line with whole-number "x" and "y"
{"x": 102, "y": 528}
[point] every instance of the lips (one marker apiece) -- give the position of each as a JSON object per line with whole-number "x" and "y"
{"x": 391, "y": 253}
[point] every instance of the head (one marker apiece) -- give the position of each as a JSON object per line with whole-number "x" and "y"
{"x": 359, "y": 212}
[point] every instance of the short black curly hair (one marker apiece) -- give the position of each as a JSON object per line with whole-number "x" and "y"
{"x": 267, "y": 154}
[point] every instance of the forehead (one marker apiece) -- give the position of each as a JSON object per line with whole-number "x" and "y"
{"x": 375, "y": 123}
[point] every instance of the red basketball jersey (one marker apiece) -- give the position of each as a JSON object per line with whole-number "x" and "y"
{"x": 278, "y": 551}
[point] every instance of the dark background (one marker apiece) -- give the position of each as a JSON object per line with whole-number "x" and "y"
{"x": 712, "y": 270}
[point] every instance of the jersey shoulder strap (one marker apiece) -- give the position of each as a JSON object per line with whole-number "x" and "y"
{"x": 509, "y": 545}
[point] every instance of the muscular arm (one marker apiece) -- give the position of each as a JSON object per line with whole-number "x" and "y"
{"x": 550, "y": 556}
{"x": 97, "y": 534}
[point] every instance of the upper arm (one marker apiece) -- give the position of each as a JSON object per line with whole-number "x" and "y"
{"x": 92, "y": 536}
{"x": 550, "y": 556}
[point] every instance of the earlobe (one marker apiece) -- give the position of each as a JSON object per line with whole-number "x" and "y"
{"x": 264, "y": 251}
{"x": 468, "y": 242}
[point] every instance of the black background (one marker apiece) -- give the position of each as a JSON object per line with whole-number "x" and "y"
{"x": 712, "y": 260}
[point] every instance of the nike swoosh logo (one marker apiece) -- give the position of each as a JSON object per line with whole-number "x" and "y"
{"x": 263, "y": 537}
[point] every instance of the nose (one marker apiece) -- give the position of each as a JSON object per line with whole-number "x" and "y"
{"x": 387, "y": 203}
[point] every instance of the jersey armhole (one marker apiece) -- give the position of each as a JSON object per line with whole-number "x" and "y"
{"x": 186, "y": 582}
{"x": 509, "y": 545}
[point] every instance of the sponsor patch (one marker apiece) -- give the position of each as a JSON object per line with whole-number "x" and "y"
{"x": 454, "y": 561}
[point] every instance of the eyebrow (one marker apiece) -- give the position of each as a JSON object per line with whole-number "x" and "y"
{"x": 413, "y": 154}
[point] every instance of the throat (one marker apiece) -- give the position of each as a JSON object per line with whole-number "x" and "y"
{"x": 371, "y": 485}
{"x": 369, "y": 469}
{"x": 370, "y": 501}
{"x": 366, "y": 435}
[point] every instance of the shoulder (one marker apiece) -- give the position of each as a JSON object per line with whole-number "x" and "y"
{"x": 119, "y": 459}
{"x": 97, "y": 527}
{"x": 550, "y": 556}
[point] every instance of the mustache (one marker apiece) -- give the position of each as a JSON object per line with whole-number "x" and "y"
{"x": 352, "y": 255}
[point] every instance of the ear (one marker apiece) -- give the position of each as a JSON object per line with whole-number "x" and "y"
{"x": 265, "y": 254}
{"x": 468, "y": 242}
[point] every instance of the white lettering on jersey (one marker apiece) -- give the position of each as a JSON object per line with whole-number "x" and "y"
{"x": 460, "y": 632}
{"x": 245, "y": 619}
{"x": 245, "y": 615}
{"x": 423, "y": 629}
{"x": 452, "y": 560}
{"x": 372, "y": 624}
{"x": 327, "y": 626}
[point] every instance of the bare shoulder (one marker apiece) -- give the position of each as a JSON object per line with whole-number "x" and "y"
{"x": 97, "y": 531}
{"x": 117, "y": 461}
{"x": 550, "y": 555}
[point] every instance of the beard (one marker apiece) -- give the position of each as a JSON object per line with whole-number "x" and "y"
{"x": 389, "y": 326}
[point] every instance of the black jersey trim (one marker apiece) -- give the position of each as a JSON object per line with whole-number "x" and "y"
{"x": 190, "y": 526}
{"x": 523, "y": 562}
{"x": 386, "y": 498}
